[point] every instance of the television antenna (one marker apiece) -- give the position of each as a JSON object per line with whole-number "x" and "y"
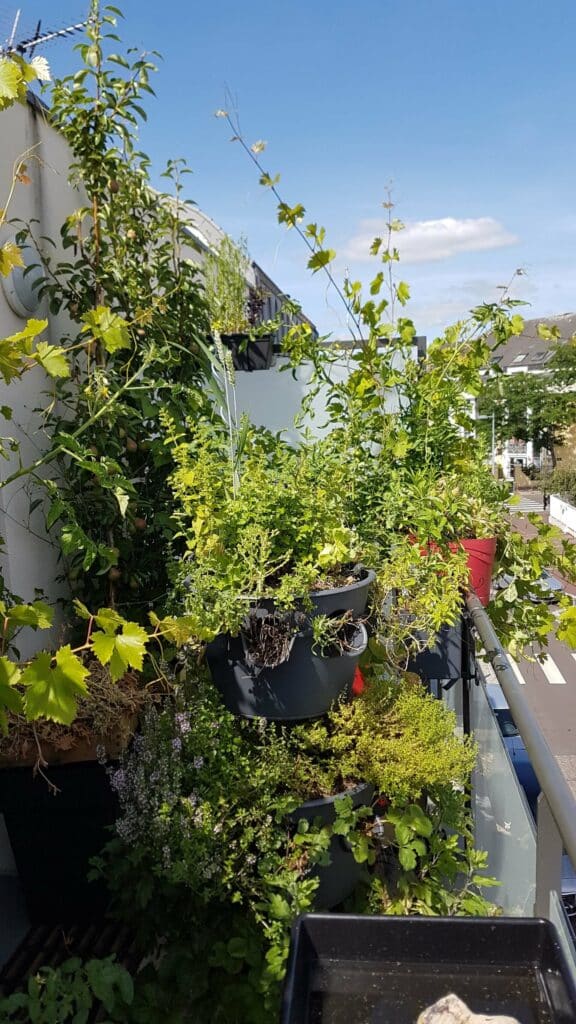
{"x": 26, "y": 46}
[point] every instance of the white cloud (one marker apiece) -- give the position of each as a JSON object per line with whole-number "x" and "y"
{"x": 426, "y": 241}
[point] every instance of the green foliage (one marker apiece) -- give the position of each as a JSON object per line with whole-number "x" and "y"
{"x": 393, "y": 735}
{"x": 562, "y": 481}
{"x": 226, "y": 274}
{"x": 534, "y": 407}
{"x": 70, "y": 993}
{"x": 136, "y": 343}
{"x": 261, "y": 522}
{"x": 438, "y": 873}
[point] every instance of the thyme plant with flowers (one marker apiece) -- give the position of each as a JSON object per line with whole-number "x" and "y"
{"x": 209, "y": 848}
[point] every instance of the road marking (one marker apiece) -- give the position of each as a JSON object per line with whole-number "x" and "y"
{"x": 516, "y": 671}
{"x": 552, "y": 672}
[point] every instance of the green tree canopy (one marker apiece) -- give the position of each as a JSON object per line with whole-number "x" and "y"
{"x": 534, "y": 407}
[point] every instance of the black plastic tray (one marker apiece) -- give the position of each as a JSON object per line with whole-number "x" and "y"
{"x": 349, "y": 969}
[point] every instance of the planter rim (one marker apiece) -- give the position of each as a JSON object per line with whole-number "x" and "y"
{"x": 357, "y": 647}
{"x": 366, "y": 580}
{"x": 358, "y": 789}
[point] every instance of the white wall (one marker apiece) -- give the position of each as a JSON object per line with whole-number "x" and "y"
{"x": 30, "y": 558}
{"x": 562, "y": 514}
{"x": 271, "y": 398}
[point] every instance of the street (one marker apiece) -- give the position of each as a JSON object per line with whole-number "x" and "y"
{"x": 550, "y": 687}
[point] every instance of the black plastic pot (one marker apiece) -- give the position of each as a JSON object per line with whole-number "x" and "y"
{"x": 444, "y": 659}
{"x": 53, "y": 837}
{"x": 389, "y": 969}
{"x": 306, "y": 684}
{"x": 339, "y": 878}
{"x": 249, "y": 355}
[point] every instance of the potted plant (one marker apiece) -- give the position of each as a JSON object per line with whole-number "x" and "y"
{"x": 65, "y": 713}
{"x": 273, "y": 575}
{"x": 231, "y": 828}
{"x": 235, "y": 307}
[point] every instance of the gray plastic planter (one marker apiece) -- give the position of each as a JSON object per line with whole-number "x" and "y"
{"x": 444, "y": 659}
{"x": 339, "y": 878}
{"x": 306, "y": 684}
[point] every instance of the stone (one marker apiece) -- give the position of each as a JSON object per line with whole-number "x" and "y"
{"x": 451, "y": 1010}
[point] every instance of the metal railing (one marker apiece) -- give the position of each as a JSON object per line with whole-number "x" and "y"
{"x": 556, "y": 811}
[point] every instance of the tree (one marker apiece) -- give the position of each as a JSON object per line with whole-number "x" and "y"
{"x": 534, "y": 407}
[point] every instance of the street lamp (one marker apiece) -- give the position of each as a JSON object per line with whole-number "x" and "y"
{"x": 493, "y": 452}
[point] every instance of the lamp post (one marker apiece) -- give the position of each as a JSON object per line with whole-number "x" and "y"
{"x": 491, "y": 417}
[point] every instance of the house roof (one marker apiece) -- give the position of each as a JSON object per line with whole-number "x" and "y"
{"x": 528, "y": 351}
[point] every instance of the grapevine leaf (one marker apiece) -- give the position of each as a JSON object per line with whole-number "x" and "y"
{"x": 567, "y": 627}
{"x": 402, "y": 292}
{"x": 81, "y": 609}
{"x": 121, "y": 650}
{"x": 41, "y": 68}
{"x": 10, "y": 255}
{"x": 103, "y": 646}
{"x": 53, "y": 359}
{"x": 108, "y": 328}
{"x": 53, "y": 691}
{"x": 9, "y": 697}
{"x": 38, "y": 615}
{"x": 321, "y": 259}
{"x": 11, "y": 80}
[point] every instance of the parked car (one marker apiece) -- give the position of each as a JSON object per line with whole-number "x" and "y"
{"x": 549, "y": 588}
{"x": 527, "y": 778}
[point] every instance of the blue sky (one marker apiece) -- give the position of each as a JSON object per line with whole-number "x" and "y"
{"x": 467, "y": 109}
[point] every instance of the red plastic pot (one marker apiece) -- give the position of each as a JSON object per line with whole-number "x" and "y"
{"x": 480, "y": 561}
{"x": 481, "y": 555}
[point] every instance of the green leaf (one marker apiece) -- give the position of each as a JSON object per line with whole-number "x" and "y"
{"x": 16, "y": 350}
{"x": 415, "y": 818}
{"x": 567, "y": 627}
{"x": 279, "y": 908}
{"x": 407, "y": 858}
{"x": 38, "y": 615}
{"x": 9, "y": 697}
{"x": 121, "y": 650}
{"x": 10, "y": 255}
{"x": 53, "y": 359}
{"x": 376, "y": 284}
{"x": 320, "y": 259}
{"x": 11, "y": 82}
{"x": 81, "y": 609}
{"x": 108, "y": 328}
{"x": 402, "y": 292}
{"x": 53, "y": 691}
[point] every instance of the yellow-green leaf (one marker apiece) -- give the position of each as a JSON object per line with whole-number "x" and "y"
{"x": 10, "y": 698}
{"x": 108, "y": 328}
{"x": 52, "y": 691}
{"x": 81, "y": 609}
{"x": 402, "y": 292}
{"x": 121, "y": 650}
{"x": 52, "y": 359}
{"x": 10, "y": 257}
{"x": 11, "y": 81}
